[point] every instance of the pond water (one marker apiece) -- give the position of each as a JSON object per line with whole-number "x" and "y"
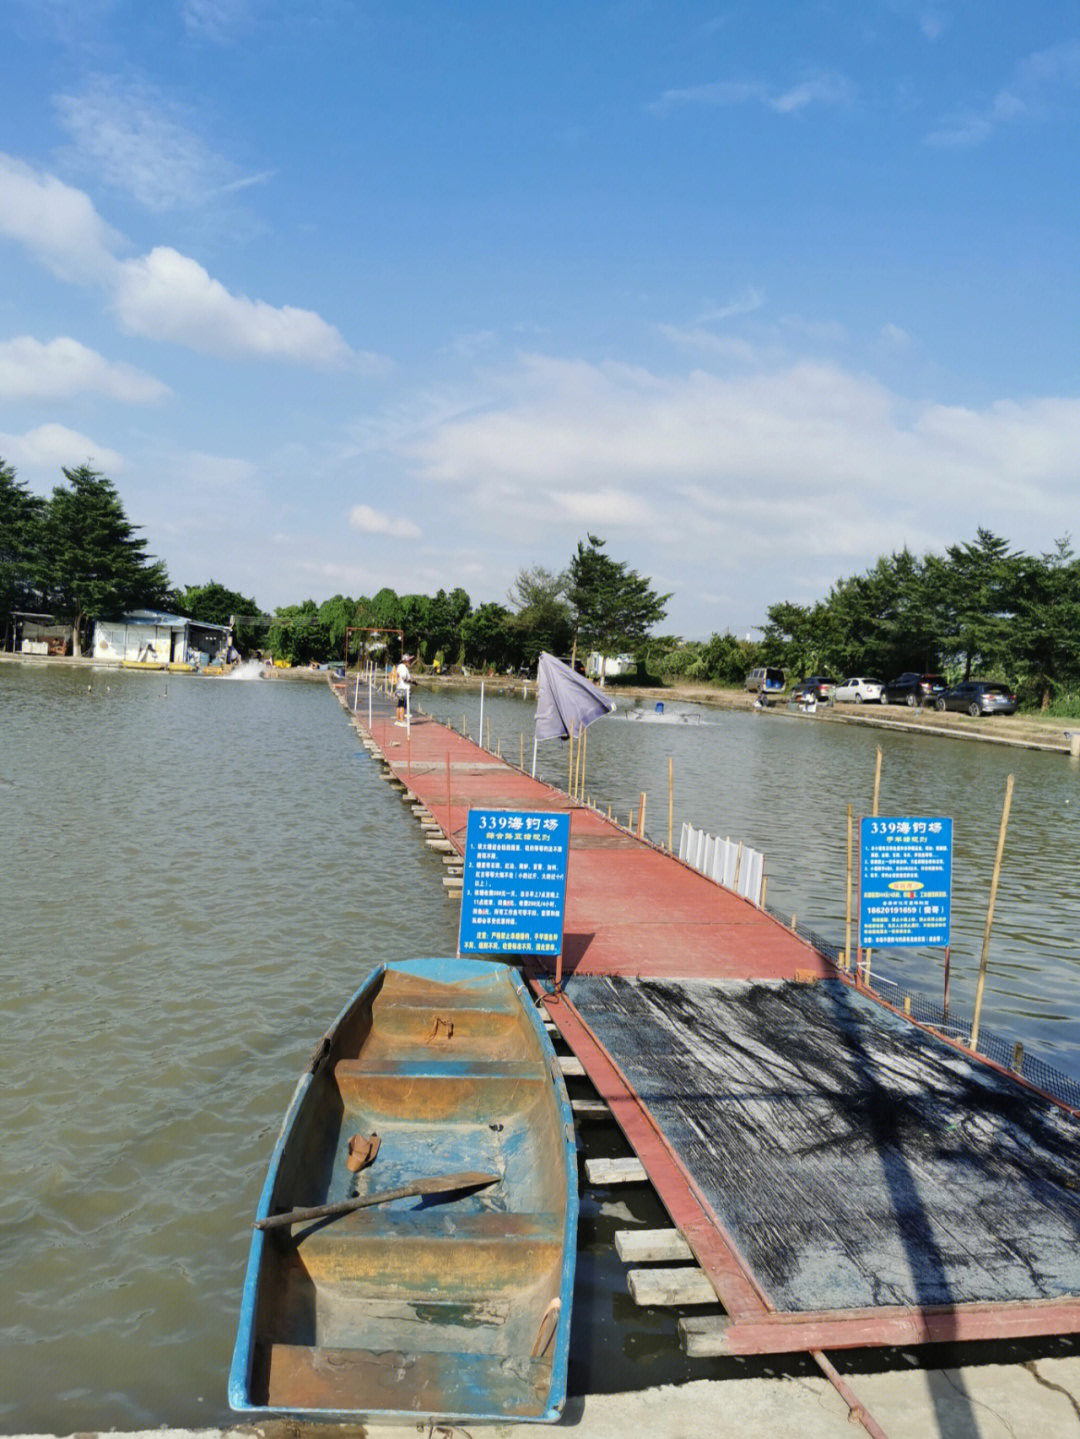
{"x": 197, "y": 874}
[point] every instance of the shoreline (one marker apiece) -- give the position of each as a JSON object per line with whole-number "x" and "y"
{"x": 1021, "y": 731}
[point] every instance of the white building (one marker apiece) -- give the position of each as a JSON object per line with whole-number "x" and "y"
{"x": 599, "y": 666}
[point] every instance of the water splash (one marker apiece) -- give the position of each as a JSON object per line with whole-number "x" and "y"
{"x": 248, "y": 670}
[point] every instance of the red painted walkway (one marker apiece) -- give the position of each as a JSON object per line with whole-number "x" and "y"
{"x": 631, "y": 908}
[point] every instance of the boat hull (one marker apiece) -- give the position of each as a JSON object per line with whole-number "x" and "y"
{"x": 450, "y": 1306}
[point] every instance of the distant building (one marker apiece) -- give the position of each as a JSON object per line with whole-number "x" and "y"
{"x": 599, "y": 666}
{"x": 155, "y": 638}
{"x": 33, "y": 634}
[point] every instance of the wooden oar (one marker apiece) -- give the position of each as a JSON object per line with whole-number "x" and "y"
{"x": 439, "y": 1185}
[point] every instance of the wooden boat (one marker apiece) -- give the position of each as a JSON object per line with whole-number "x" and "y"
{"x": 438, "y": 1306}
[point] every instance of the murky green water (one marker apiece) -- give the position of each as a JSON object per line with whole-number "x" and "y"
{"x": 196, "y": 874}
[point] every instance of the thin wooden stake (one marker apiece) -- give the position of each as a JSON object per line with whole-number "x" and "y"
{"x": 877, "y": 782}
{"x": 945, "y": 1004}
{"x": 449, "y": 825}
{"x": 522, "y": 764}
{"x": 670, "y": 799}
{"x": 570, "y": 776}
{"x": 641, "y": 817}
{"x": 847, "y": 912}
{"x": 981, "y": 985}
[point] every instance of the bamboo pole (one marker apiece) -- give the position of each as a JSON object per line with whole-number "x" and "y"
{"x": 670, "y": 799}
{"x": 584, "y": 747}
{"x": 570, "y": 776}
{"x": 877, "y": 782}
{"x": 641, "y": 817}
{"x": 981, "y": 985}
{"x": 945, "y": 1005}
{"x": 847, "y": 911}
{"x": 522, "y": 763}
{"x": 449, "y": 825}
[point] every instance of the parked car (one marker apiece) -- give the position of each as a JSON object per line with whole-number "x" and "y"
{"x": 820, "y": 686}
{"x": 859, "y": 692}
{"x": 765, "y": 678}
{"x": 979, "y": 697}
{"x": 914, "y": 689}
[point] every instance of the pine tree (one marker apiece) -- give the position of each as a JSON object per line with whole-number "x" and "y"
{"x": 95, "y": 563}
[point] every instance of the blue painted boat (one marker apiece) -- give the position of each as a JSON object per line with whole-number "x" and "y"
{"x": 451, "y": 1305}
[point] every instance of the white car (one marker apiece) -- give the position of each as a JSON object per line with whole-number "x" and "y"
{"x": 859, "y": 691}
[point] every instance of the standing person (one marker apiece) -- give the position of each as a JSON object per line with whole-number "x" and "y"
{"x": 403, "y": 679}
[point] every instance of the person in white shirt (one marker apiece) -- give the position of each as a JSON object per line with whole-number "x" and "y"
{"x": 403, "y": 681}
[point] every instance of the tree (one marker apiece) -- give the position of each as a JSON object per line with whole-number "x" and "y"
{"x": 446, "y": 615}
{"x": 213, "y": 604}
{"x": 1044, "y": 652}
{"x": 337, "y": 614}
{"x": 489, "y": 637}
{"x": 297, "y": 635}
{"x": 21, "y": 517}
{"x": 613, "y": 607}
{"x": 542, "y": 620}
{"x": 974, "y": 590}
{"x": 94, "y": 562}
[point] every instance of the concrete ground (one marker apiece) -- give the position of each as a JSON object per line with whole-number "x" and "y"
{"x": 994, "y": 1401}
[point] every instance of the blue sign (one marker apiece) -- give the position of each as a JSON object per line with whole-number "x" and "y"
{"x": 905, "y": 884}
{"x": 514, "y": 892}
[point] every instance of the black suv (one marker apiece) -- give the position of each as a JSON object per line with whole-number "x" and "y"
{"x": 913, "y": 689}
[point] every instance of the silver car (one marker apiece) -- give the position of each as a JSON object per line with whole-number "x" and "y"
{"x": 856, "y": 691}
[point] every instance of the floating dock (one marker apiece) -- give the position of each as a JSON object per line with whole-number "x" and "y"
{"x": 838, "y": 1175}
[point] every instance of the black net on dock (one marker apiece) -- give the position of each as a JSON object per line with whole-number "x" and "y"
{"x": 855, "y": 1159}
{"x": 953, "y": 1023}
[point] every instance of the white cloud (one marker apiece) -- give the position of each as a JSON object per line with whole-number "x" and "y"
{"x": 804, "y": 458}
{"x": 57, "y": 223}
{"x": 163, "y": 295}
{"x": 373, "y": 522}
{"x": 895, "y": 337}
{"x": 51, "y": 446}
{"x": 708, "y": 342}
{"x": 30, "y": 369}
{"x": 607, "y": 506}
{"x": 139, "y": 141}
{"x": 828, "y": 90}
{"x": 751, "y": 300}
{"x": 217, "y": 20}
{"x": 168, "y": 296}
{"x": 1042, "y": 88}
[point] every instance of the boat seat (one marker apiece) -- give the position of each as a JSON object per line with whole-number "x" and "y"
{"x": 430, "y": 1250}
{"x": 365, "y": 1381}
{"x": 429, "y": 1066}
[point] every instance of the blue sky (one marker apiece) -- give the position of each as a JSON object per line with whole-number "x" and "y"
{"x": 346, "y": 294}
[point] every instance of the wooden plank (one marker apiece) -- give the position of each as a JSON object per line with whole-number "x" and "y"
{"x": 571, "y": 1066}
{"x": 590, "y": 1109}
{"x": 643, "y": 1246}
{"x": 670, "y": 1287}
{"x": 706, "y": 1336}
{"x": 615, "y": 1171}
